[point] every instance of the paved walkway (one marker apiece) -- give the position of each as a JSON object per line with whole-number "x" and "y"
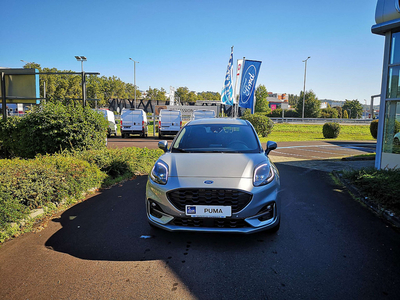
{"x": 326, "y": 165}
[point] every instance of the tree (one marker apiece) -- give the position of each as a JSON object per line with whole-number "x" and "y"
{"x": 311, "y": 106}
{"x": 354, "y": 108}
{"x": 293, "y": 99}
{"x": 345, "y": 114}
{"x": 262, "y": 104}
{"x": 339, "y": 110}
{"x": 156, "y": 94}
{"x": 182, "y": 93}
{"x": 329, "y": 112}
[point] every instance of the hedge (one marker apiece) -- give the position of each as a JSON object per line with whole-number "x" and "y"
{"x": 47, "y": 181}
{"x": 51, "y": 128}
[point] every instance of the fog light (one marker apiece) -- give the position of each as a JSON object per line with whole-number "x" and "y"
{"x": 266, "y": 213}
{"x": 155, "y": 209}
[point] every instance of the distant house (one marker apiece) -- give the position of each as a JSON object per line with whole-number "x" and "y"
{"x": 278, "y": 100}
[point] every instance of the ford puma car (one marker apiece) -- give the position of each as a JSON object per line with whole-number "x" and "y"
{"x": 215, "y": 177}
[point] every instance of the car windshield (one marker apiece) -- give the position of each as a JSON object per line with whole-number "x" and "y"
{"x": 214, "y": 138}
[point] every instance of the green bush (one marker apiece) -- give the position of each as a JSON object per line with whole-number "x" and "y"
{"x": 331, "y": 130}
{"x": 117, "y": 162}
{"x": 51, "y": 128}
{"x": 381, "y": 186}
{"x": 262, "y": 124}
{"x": 277, "y": 113}
{"x": 373, "y": 128}
{"x": 44, "y": 181}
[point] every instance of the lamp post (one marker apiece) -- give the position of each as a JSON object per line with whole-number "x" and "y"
{"x": 82, "y": 59}
{"x": 134, "y": 76}
{"x": 304, "y": 88}
{"x": 27, "y": 63}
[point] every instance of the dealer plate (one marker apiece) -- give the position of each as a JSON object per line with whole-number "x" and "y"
{"x": 208, "y": 211}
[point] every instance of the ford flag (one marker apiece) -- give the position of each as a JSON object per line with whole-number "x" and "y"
{"x": 250, "y": 72}
{"x": 227, "y": 91}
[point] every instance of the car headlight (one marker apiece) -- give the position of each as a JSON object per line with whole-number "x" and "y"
{"x": 263, "y": 175}
{"x": 159, "y": 173}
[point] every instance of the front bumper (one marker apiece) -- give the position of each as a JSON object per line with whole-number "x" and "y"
{"x": 261, "y": 213}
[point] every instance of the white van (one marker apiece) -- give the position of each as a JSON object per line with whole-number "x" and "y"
{"x": 170, "y": 122}
{"x": 109, "y": 116}
{"x": 133, "y": 121}
{"x": 203, "y": 113}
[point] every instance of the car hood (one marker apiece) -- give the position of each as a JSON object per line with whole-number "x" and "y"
{"x": 211, "y": 165}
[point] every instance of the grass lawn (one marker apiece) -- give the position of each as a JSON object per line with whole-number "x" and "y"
{"x": 303, "y": 132}
{"x": 313, "y": 132}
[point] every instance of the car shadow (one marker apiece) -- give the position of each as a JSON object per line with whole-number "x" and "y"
{"x": 113, "y": 226}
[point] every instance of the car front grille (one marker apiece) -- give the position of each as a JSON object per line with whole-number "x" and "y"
{"x": 210, "y": 223}
{"x": 237, "y": 199}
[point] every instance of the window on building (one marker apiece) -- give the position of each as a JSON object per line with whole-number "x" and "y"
{"x": 391, "y": 138}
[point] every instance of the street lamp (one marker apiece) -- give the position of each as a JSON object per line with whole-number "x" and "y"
{"x": 27, "y": 63}
{"x": 304, "y": 88}
{"x": 82, "y": 59}
{"x": 134, "y": 76}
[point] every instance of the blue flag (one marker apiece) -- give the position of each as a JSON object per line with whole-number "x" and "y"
{"x": 227, "y": 91}
{"x": 251, "y": 69}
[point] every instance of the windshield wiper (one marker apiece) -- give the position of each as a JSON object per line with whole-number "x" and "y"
{"x": 181, "y": 150}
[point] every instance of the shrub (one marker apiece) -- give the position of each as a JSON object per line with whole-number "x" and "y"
{"x": 276, "y": 113}
{"x": 331, "y": 130}
{"x": 373, "y": 128}
{"x": 51, "y": 128}
{"x": 262, "y": 124}
{"x": 45, "y": 179}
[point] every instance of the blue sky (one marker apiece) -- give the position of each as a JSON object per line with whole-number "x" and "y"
{"x": 187, "y": 43}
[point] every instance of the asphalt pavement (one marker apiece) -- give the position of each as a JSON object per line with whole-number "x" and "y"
{"x": 328, "y": 247}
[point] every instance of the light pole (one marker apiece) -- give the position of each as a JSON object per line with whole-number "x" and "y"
{"x": 82, "y": 59}
{"x": 304, "y": 88}
{"x": 134, "y": 76}
{"x": 27, "y": 63}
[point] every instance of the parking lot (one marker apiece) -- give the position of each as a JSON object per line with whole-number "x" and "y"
{"x": 321, "y": 155}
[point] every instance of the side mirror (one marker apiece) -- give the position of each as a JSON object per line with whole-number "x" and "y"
{"x": 270, "y": 146}
{"x": 163, "y": 145}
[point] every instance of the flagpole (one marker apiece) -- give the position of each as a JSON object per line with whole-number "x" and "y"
{"x": 240, "y": 83}
{"x": 233, "y": 102}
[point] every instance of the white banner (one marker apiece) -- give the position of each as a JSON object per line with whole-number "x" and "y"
{"x": 238, "y": 76}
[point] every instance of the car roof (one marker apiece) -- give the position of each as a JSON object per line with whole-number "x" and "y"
{"x": 218, "y": 121}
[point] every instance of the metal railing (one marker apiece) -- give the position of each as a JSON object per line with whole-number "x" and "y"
{"x": 321, "y": 120}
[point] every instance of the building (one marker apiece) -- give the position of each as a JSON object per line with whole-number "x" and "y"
{"x": 387, "y": 17}
{"x": 278, "y": 100}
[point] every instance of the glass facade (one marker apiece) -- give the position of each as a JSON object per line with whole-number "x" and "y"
{"x": 391, "y": 138}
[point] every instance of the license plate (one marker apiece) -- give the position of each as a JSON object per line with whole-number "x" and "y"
{"x": 208, "y": 211}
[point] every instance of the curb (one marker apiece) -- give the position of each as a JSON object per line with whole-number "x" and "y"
{"x": 387, "y": 215}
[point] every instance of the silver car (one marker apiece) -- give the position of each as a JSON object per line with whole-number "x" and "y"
{"x": 215, "y": 177}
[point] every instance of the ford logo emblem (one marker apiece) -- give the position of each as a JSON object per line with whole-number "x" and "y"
{"x": 208, "y": 182}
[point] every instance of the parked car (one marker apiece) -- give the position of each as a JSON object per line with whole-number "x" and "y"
{"x": 133, "y": 121}
{"x": 109, "y": 116}
{"x": 215, "y": 177}
{"x": 396, "y": 139}
{"x": 170, "y": 122}
{"x": 203, "y": 113}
